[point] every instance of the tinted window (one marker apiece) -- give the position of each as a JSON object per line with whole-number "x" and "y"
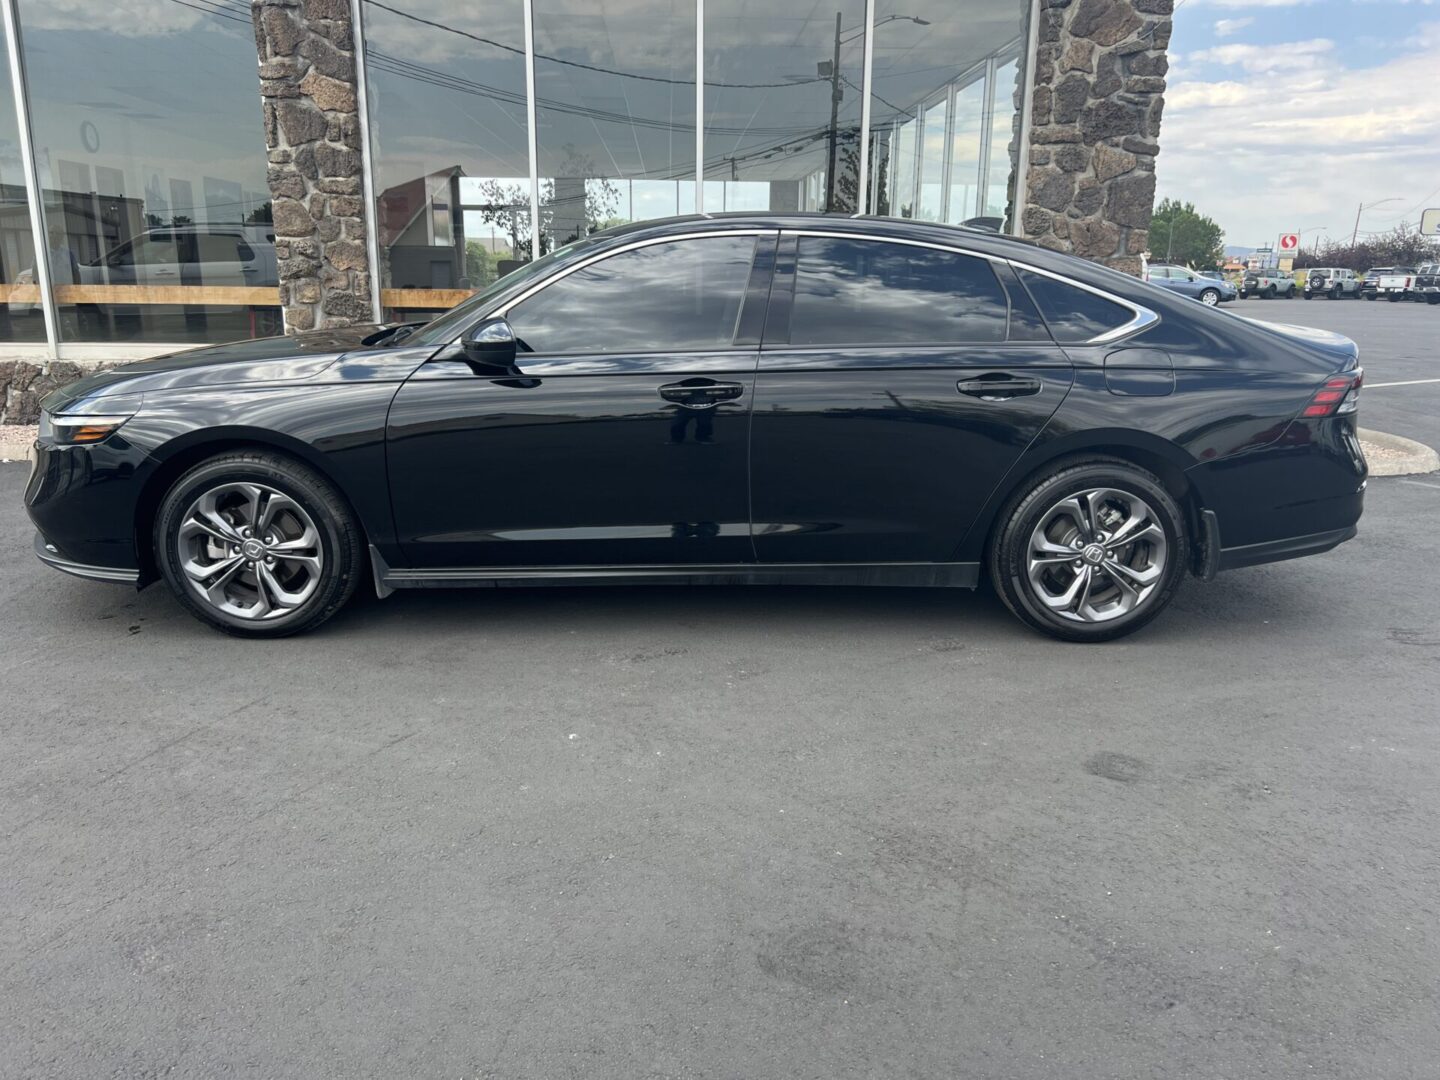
{"x": 1074, "y": 314}
{"x": 662, "y": 298}
{"x": 867, "y": 292}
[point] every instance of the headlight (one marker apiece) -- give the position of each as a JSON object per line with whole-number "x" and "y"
{"x": 80, "y": 430}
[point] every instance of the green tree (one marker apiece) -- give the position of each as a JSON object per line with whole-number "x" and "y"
{"x": 1181, "y": 234}
{"x": 479, "y": 264}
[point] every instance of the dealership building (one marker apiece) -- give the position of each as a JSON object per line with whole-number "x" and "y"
{"x": 175, "y": 172}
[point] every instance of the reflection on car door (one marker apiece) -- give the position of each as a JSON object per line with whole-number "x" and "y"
{"x": 898, "y": 384}
{"x": 621, "y": 436}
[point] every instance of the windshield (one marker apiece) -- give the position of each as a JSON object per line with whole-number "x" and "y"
{"x": 445, "y": 327}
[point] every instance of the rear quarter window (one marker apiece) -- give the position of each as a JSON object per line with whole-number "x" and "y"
{"x": 1072, "y": 313}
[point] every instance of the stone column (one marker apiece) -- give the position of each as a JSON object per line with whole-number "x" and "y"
{"x": 1099, "y": 81}
{"x": 312, "y": 134}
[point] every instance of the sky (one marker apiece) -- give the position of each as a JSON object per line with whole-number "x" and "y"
{"x": 1287, "y": 115}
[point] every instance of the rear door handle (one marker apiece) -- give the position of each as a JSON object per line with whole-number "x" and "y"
{"x": 1000, "y": 386}
{"x": 701, "y": 393}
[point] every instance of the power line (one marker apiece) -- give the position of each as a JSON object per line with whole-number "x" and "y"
{"x": 577, "y": 64}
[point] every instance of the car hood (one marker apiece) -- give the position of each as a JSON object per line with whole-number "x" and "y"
{"x": 263, "y": 360}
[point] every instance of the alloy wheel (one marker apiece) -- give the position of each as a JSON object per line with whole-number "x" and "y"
{"x": 250, "y": 551}
{"x": 1097, "y": 555}
{"x": 1210, "y": 297}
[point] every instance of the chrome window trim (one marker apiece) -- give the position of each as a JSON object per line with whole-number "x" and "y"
{"x": 1143, "y": 317}
{"x": 601, "y": 256}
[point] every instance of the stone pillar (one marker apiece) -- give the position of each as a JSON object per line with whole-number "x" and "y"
{"x": 312, "y": 134}
{"x": 1099, "y": 81}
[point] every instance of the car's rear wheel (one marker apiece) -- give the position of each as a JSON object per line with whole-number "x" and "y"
{"x": 1092, "y": 552}
{"x": 1209, "y": 297}
{"x": 258, "y": 545}
{"x": 1336, "y": 293}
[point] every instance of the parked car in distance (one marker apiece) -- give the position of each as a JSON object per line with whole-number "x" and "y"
{"x": 1427, "y": 283}
{"x": 1397, "y": 285}
{"x": 1370, "y": 283}
{"x": 728, "y": 399}
{"x": 1334, "y": 282}
{"x": 1268, "y": 283}
{"x": 1188, "y": 283}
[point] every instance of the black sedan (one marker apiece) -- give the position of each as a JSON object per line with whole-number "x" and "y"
{"x": 731, "y": 399}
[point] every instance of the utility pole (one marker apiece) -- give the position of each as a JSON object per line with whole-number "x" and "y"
{"x": 835, "y": 93}
{"x": 1356, "y": 232}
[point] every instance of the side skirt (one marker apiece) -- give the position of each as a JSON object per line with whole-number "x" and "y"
{"x": 922, "y": 575}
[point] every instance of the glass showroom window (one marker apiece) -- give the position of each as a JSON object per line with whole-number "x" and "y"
{"x": 449, "y": 143}
{"x": 778, "y": 108}
{"x": 615, "y": 109}
{"x": 20, "y": 316}
{"x": 942, "y": 109}
{"x": 152, "y": 170}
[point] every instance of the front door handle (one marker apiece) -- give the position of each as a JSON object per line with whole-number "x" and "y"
{"x": 1000, "y": 386}
{"x": 701, "y": 393}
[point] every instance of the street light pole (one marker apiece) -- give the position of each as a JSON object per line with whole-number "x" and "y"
{"x": 834, "y": 119}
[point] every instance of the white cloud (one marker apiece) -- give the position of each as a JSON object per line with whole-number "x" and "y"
{"x": 1226, "y": 27}
{"x": 1273, "y": 147}
{"x": 1263, "y": 59}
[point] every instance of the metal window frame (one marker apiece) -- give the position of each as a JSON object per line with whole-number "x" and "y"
{"x": 699, "y": 107}
{"x": 32, "y": 178}
{"x": 367, "y": 160}
{"x": 1027, "y": 97}
{"x": 532, "y": 133}
{"x": 862, "y": 188}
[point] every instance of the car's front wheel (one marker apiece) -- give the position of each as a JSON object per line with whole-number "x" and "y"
{"x": 258, "y": 544}
{"x": 1290, "y": 293}
{"x": 1091, "y": 552}
{"x": 1210, "y": 297}
{"x": 1270, "y": 292}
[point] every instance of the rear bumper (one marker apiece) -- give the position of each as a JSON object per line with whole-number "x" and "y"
{"x": 47, "y": 553}
{"x": 1293, "y": 547}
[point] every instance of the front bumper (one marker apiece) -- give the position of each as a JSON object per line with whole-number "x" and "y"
{"x": 47, "y": 553}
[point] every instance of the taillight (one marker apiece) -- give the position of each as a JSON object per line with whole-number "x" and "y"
{"x": 1340, "y": 395}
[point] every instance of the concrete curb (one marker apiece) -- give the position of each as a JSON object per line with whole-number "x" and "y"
{"x": 1405, "y": 457}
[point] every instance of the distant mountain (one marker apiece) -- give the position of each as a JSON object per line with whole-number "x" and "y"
{"x": 1235, "y": 251}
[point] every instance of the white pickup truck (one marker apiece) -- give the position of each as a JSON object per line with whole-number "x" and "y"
{"x": 1396, "y": 286}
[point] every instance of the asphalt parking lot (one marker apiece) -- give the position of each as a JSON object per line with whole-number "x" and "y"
{"x": 791, "y": 832}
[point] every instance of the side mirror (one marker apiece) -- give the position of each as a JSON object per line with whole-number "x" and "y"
{"x": 491, "y": 345}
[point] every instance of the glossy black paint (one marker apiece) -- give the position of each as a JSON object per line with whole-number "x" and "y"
{"x": 879, "y": 454}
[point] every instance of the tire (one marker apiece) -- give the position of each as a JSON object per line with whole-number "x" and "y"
{"x": 1037, "y": 515}
{"x": 1394, "y": 298}
{"x": 1432, "y": 298}
{"x": 1209, "y": 297}
{"x": 1335, "y": 293}
{"x": 1308, "y": 296}
{"x": 295, "y": 552}
{"x": 1269, "y": 292}
{"x": 1372, "y": 296}
{"x": 1290, "y": 293}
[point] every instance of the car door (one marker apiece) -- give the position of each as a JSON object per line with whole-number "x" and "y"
{"x": 898, "y": 383}
{"x": 621, "y": 436}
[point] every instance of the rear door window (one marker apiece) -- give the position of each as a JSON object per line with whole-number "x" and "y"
{"x": 859, "y": 292}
